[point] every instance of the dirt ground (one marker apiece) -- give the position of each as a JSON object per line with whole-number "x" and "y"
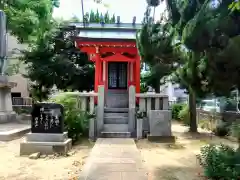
{"x": 164, "y": 161}
{"x": 14, "y": 167}
{"x": 177, "y": 161}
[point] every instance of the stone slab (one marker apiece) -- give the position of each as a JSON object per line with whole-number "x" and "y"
{"x": 139, "y": 128}
{"x": 6, "y": 117}
{"x": 114, "y": 158}
{"x": 11, "y": 131}
{"x": 160, "y": 122}
{"x": 161, "y": 139}
{"x": 27, "y": 148}
{"x": 46, "y": 137}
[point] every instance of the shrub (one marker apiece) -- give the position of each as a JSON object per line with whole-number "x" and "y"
{"x": 235, "y": 132}
{"x": 76, "y": 123}
{"x": 222, "y": 129}
{"x": 184, "y": 115}
{"x": 176, "y": 108}
{"x": 220, "y": 162}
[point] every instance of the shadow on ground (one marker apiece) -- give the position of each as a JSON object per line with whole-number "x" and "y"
{"x": 176, "y": 173}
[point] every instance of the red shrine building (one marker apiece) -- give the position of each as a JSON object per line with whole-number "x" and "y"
{"x": 113, "y": 49}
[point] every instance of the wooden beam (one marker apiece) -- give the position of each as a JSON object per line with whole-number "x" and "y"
{"x": 118, "y": 57}
{"x": 130, "y": 50}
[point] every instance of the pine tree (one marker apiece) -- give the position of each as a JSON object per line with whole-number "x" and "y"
{"x": 97, "y": 17}
{"x": 106, "y": 18}
{"x": 92, "y": 17}
{"x": 113, "y": 19}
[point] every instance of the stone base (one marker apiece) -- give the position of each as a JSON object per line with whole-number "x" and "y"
{"x": 6, "y": 117}
{"x": 27, "y": 148}
{"x": 15, "y": 132}
{"x": 46, "y": 137}
{"x": 161, "y": 139}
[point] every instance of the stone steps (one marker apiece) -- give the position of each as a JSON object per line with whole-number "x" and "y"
{"x": 116, "y": 110}
{"x": 116, "y": 134}
{"x": 116, "y": 120}
{"x": 115, "y": 114}
{"x": 115, "y": 123}
{"x": 115, "y": 127}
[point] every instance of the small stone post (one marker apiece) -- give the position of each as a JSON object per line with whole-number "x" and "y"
{"x": 100, "y": 109}
{"x": 131, "y": 110}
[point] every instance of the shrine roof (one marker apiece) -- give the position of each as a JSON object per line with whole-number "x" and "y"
{"x": 97, "y": 31}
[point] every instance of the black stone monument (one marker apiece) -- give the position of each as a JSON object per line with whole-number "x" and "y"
{"x": 47, "y": 118}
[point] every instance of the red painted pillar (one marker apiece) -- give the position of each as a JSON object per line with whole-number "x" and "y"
{"x": 137, "y": 75}
{"x": 97, "y": 67}
{"x": 97, "y": 71}
{"x": 100, "y": 77}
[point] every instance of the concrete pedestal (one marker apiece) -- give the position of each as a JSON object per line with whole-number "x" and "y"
{"x": 6, "y": 112}
{"x": 45, "y": 143}
{"x": 160, "y": 126}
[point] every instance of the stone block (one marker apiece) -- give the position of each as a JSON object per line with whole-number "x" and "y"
{"x": 6, "y": 117}
{"x": 27, "y": 148}
{"x": 160, "y": 122}
{"x": 46, "y": 137}
{"x": 139, "y": 128}
{"x": 131, "y": 120}
{"x": 100, "y": 110}
{"x": 146, "y": 124}
{"x": 92, "y": 129}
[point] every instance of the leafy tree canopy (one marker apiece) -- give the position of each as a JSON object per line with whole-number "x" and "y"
{"x": 26, "y": 18}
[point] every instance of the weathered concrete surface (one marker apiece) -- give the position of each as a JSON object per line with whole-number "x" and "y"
{"x": 114, "y": 159}
{"x": 10, "y": 131}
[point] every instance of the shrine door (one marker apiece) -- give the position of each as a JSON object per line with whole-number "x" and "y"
{"x": 117, "y": 96}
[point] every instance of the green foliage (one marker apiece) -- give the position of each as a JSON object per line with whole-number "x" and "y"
{"x": 27, "y": 18}
{"x": 235, "y": 129}
{"x": 22, "y": 109}
{"x": 222, "y": 129}
{"x": 39, "y": 92}
{"x": 141, "y": 115}
{"x": 54, "y": 60}
{"x": 220, "y": 162}
{"x": 184, "y": 115}
{"x": 235, "y": 132}
{"x": 76, "y": 123}
{"x": 153, "y": 3}
{"x": 176, "y": 108}
{"x": 235, "y": 5}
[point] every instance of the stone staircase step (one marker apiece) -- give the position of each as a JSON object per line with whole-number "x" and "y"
{"x": 115, "y": 120}
{"x": 116, "y": 110}
{"x": 108, "y": 134}
{"x": 116, "y": 114}
{"x": 115, "y": 127}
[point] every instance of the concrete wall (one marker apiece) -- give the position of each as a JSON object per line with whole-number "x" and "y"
{"x": 22, "y": 85}
{"x": 14, "y": 68}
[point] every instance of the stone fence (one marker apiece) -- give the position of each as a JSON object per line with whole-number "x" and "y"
{"x": 153, "y": 117}
{"x": 214, "y": 117}
{"x": 86, "y": 101}
{"x": 152, "y": 101}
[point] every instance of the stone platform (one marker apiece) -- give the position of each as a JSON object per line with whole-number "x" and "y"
{"x": 11, "y": 131}
{"x": 114, "y": 158}
{"x": 45, "y": 143}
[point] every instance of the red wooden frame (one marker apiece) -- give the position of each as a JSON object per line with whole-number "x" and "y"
{"x": 95, "y": 49}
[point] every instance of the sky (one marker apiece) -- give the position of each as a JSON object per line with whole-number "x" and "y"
{"x": 126, "y": 9}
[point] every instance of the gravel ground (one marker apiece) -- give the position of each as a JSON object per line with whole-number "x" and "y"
{"x": 14, "y": 167}
{"x": 177, "y": 161}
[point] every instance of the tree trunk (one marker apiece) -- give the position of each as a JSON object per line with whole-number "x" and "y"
{"x": 157, "y": 88}
{"x": 192, "y": 111}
